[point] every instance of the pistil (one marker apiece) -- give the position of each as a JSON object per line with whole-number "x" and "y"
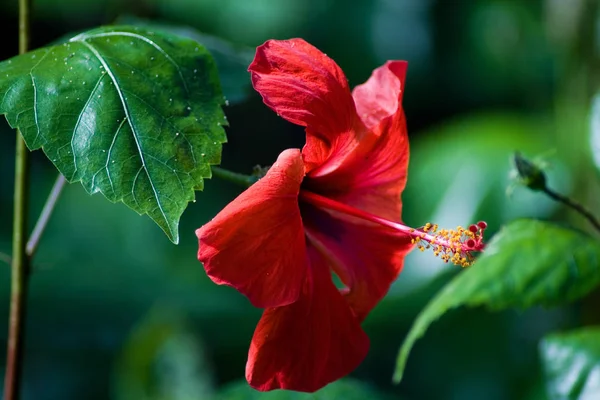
{"x": 450, "y": 245}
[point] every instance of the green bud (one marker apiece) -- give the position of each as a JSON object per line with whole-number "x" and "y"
{"x": 529, "y": 174}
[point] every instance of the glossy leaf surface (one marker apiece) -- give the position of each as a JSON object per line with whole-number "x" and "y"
{"x": 131, "y": 113}
{"x": 527, "y": 263}
{"x": 572, "y": 364}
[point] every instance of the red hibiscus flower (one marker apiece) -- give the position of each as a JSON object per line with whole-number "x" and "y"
{"x": 333, "y": 207}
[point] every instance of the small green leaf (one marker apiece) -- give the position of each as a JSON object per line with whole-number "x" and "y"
{"x": 572, "y": 364}
{"x": 132, "y": 113}
{"x": 346, "y": 389}
{"x": 527, "y": 263}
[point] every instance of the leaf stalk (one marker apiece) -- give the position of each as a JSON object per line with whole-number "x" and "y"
{"x": 234, "y": 177}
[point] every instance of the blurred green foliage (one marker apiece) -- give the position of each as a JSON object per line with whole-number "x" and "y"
{"x": 348, "y": 389}
{"x": 572, "y": 363}
{"x": 116, "y": 309}
{"x": 163, "y": 359}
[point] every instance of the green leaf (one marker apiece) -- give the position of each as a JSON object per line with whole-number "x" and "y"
{"x": 232, "y": 60}
{"x": 347, "y": 389}
{"x": 131, "y": 113}
{"x": 527, "y": 263}
{"x": 572, "y": 364}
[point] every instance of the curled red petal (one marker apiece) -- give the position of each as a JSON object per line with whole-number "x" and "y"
{"x": 366, "y": 257}
{"x": 256, "y": 244}
{"x": 307, "y": 88}
{"x": 372, "y": 175}
{"x": 378, "y": 178}
{"x": 307, "y": 344}
{"x": 303, "y": 85}
{"x": 381, "y": 95}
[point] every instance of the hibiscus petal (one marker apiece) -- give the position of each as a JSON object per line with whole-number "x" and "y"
{"x": 376, "y": 176}
{"x": 366, "y": 257}
{"x": 372, "y": 175}
{"x": 381, "y": 96}
{"x": 307, "y": 88}
{"x": 303, "y": 85}
{"x": 308, "y": 344}
{"x": 256, "y": 244}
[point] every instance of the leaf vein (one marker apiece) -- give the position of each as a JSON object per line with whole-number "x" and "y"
{"x": 35, "y": 112}
{"x": 143, "y": 39}
{"x": 165, "y": 119}
{"x": 107, "y": 165}
{"x": 133, "y": 130}
{"x": 79, "y": 118}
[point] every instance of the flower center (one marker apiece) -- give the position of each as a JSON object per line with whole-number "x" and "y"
{"x": 455, "y": 245}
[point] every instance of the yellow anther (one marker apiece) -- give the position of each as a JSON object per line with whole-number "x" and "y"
{"x": 447, "y": 244}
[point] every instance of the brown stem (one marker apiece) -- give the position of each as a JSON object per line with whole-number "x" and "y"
{"x": 574, "y": 205}
{"x": 20, "y": 261}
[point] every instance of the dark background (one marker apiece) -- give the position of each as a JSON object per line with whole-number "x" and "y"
{"x": 116, "y": 311}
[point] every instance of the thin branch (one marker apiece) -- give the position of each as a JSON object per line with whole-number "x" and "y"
{"x": 20, "y": 267}
{"x": 574, "y": 205}
{"x": 42, "y": 221}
